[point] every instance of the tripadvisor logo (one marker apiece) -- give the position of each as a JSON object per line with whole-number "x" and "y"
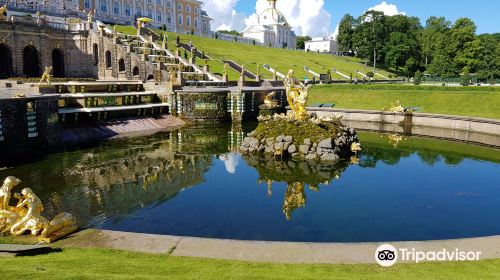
{"x": 387, "y": 255}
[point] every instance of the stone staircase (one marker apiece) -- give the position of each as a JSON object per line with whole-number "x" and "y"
{"x": 104, "y": 100}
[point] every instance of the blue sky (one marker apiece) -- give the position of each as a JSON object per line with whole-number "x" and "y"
{"x": 485, "y": 13}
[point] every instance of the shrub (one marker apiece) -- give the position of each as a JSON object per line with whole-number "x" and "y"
{"x": 465, "y": 78}
{"x": 417, "y": 80}
{"x": 370, "y": 74}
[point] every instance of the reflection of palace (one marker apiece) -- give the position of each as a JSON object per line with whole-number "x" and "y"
{"x": 121, "y": 176}
{"x": 297, "y": 175}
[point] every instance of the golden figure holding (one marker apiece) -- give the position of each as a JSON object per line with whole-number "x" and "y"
{"x": 296, "y": 94}
{"x": 47, "y": 75}
{"x": 3, "y": 13}
{"x": 295, "y": 197}
{"x": 27, "y": 215}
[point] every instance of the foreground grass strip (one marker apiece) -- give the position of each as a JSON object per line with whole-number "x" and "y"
{"x": 474, "y": 102}
{"x": 110, "y": 264}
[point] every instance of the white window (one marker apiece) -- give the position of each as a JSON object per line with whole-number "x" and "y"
{"x": 179, "y": 7}
{"x": 188, "y": 21}
{"x": 180, "y": 20}
{"x": 188, "y": 8}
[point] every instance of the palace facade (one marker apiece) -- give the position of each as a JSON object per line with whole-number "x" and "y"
{"x": 272, "y": 29}
{"x": 182, "y": 16}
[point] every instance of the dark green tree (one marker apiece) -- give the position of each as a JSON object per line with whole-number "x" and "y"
{"x": 345, "y": 36}
{"x": 417, "y": 80}
{"x": 301, "y": 42}
{"x": 432, "y": 35}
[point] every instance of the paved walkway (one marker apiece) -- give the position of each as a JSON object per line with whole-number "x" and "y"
{"x": 262, "y": 251}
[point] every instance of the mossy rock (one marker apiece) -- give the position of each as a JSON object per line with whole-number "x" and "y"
{"x": 298, "y": 129}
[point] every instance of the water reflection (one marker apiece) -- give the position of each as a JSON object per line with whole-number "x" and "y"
{"x": 297, "y": 175}
{"x": 194, "y": 182}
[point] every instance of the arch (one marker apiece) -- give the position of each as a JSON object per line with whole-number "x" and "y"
{"x": 5, "y": 62}
{"x": 58, "y": 64}
{"x": 135, "y": 71}
{"x": 150, "y": 77}
{"x": 31, "y": 62}
{"x": 121, "y": 65}
{"x": 108, "y": 59}
{"x": 95, "y": 53}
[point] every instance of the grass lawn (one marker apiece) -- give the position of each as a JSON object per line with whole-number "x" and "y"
{"x": 251, "y": 55}
{"x": 462, "y": 101}
{"x": 110, "y": 264}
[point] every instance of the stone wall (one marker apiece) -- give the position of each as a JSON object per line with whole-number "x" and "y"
{"x": 221, "y": 105}
{"x": 74, "y": 46}
{"x": 28, "y": 125}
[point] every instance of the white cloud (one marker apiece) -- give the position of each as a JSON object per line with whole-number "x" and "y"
{"x": 387, "y": 9}
{"x": 224, "y": 14}
{"x": 307, "y": 17}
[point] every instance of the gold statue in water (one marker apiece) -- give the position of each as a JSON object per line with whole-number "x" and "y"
{"x": 295, "y": 197}
{"x": 269, "y": 101}
{"x": 3, "y": 13}
{"x": 47, "y": 74}
{"x": 296, "y": 94}
{"x": 27, "y": 215}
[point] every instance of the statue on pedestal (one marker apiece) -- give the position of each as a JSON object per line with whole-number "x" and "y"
{"x": 46, "y": 75}
{"x": 296, "y": 94}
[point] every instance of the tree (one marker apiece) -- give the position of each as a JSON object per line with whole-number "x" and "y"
{"x": 231, "y": 32}
{"x": 488, "y": 66}
{"x": 345, "y": 36}
{"x": 464, "y": 44}
{"x": 301, "y": 42}
{"x": 429, "y": 38}
{"x": 465, "y": 78}
{"x": 417, "y": 80}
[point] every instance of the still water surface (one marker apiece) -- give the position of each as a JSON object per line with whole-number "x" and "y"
{"x": 193, "y": 182}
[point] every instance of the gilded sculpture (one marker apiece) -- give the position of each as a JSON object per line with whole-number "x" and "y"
{"x": 3, "y": 13}
{"x": 26, "y": 216}
{"x": 47, "y": 75}
{"x": 296, "y": 94}
{"x": 269, "y": 101}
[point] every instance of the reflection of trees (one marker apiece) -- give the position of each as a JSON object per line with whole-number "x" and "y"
{"x": 430, "y": 158}
{"x": 389, "y": 149}
{"x": 297, "y": 175}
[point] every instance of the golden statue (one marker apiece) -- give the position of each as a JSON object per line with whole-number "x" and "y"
{"x": 269, "y": 101}
{"x": 9, "y": 183}
{"x": 295, "y": 197}
{"x": 396, "y": 107}
{"x": 46, "y": 75}
{"x": 296, "y": 94}
{"x": 3, "y": 13}
{"x": 27, "y": 215}
{"x": 90, "y": 16}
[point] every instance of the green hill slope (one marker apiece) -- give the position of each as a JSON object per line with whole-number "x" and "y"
{"x": 252, "y": 56}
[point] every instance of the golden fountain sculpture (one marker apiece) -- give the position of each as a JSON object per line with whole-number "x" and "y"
{"x": 47, "y": 75}
{"x": 3, "y": 13}
{"x": 296, "y": 94}
{"x": 27, "y": 215}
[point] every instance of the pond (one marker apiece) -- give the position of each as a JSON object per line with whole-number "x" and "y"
{"x": 193, "y": 182}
